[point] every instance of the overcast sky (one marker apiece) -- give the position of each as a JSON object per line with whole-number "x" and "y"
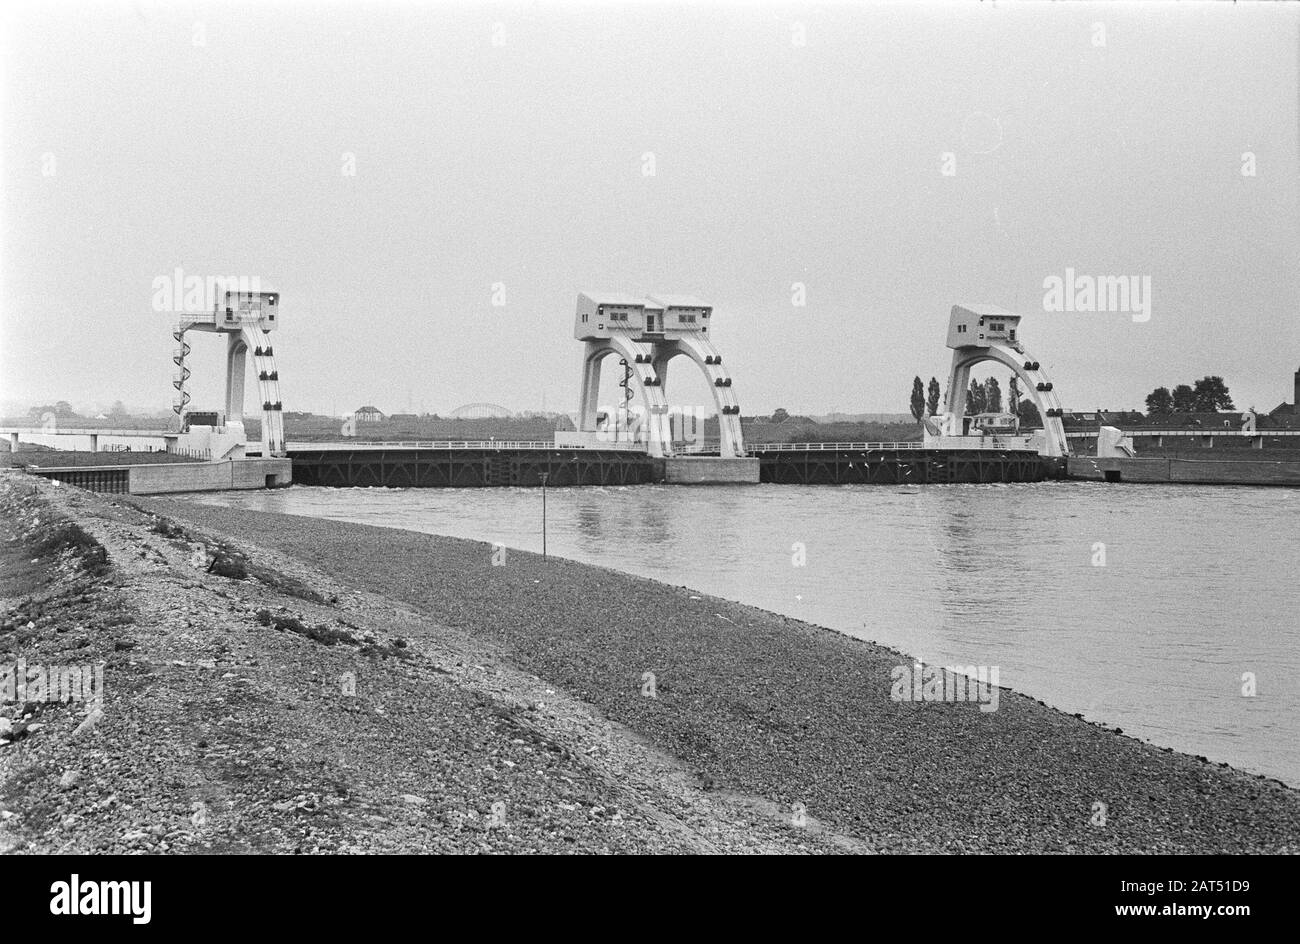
{"x": 507, "y": 144}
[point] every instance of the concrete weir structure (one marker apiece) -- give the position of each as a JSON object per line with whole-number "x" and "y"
{"x": 648, "y": 333}
{"x": 168, "y": 478}
{"x": 632, "y": 445}
{"x": 244, "y": 319}
{"x": 980, "y": 333}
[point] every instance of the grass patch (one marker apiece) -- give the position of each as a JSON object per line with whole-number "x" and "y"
{"x": 283, "y": 583}
{"x": 321, "y": 632}
{"x": 169, "y": 529}
{"x": 227, "y": 562}
{"x": 69, "y": 536}
{"x": 397, "y": 650}
{"x": 328, "y": 635}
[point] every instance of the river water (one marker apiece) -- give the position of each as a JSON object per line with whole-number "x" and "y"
{"x": 1140, "y": 606}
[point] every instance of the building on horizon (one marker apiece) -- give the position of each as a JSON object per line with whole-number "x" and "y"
{"x": 368, "y": 414}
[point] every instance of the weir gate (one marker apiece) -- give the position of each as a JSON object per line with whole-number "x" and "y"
{"x": 480, "y": 464}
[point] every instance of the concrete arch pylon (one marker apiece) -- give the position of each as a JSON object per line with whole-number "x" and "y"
{"x": 709, "y": 361}
{"x": 643, "y": 372}
{"x": 238, "y": 344}
{"x": 246, "y": 318}
{"x": 268, "y": 390}
{"x": 964, "y": 358}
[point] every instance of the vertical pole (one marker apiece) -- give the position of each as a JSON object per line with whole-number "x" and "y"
{"x": 545, "y": 475}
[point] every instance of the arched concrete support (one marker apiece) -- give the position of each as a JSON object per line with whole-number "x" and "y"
{"x": 638, "y": 358}
{"x": 709, "y": 361}
{"x": 236, "y": 357}
{"x": 660, "y": 364}
{"x": 964, "y": 358}
{"x": 268, "y": 390}
{"x": 238, "y": 345}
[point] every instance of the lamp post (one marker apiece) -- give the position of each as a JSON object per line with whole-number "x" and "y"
{"x": 545, "y": 476}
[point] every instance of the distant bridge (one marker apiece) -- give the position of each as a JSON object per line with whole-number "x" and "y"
{"x": 90, "y": 439}
{"x": 87, "y": 431}
{"x": 478, "y": 411}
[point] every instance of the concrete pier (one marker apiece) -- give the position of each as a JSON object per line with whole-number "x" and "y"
{"x": 239, "y": 474}
{"x": 1244, "y": 471}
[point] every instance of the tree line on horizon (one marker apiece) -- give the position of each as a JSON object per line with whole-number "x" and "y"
{"x": 983, "y": 397}
{"x": 1207, "y": 395}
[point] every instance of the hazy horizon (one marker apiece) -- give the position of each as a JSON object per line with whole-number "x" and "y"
{"x": 506, "y": 145}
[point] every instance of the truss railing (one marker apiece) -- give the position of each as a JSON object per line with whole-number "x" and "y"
{"x": 751, "y": 448}
{"x": 869, "y": 446}
{"x": 463, "y": 444}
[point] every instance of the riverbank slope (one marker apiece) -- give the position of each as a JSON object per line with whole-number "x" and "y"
{"x": 253, "y": 704}
{"x": 763, "y": 706}
{"x": 504, "y": 703}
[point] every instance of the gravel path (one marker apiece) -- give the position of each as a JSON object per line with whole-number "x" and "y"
{"x": 253, "y": 704}
{"x": 778, "y": 715}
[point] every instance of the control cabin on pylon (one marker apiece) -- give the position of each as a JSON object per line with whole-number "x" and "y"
{"x": 652, "y": 318}
{"x": 981, "y": 325}
{"x": 248, "y": 308}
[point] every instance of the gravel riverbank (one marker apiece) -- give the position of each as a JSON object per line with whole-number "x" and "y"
{"x": 280, "y": 684}
{"x": 253, "y": 704}
{"x": 763, "y": 707}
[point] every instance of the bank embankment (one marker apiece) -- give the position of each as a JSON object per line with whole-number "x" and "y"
{"x": 240, "y": 699}
{"x": 785, "y": 715}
